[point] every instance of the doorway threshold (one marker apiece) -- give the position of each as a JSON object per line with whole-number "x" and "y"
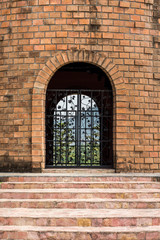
{"x": 78, "y": 170}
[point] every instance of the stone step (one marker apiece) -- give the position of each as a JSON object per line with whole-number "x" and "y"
{"x": 46, "y": 185}
{"x": 63, "y": 193}
{"x": 77, "y": 233}
{"x": 78, "y": 177}
{"x": 81, "y": 203}
{"x": 76, "y": 205}
{"x": 80, "y": 217}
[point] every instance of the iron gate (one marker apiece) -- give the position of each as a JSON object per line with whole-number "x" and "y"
{"x": 78, "y": 128}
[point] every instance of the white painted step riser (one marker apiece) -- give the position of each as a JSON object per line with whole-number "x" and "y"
{"x": 77, "y": 190}
{"x": 95, "y": 213}
{"x": 80, "y": 229}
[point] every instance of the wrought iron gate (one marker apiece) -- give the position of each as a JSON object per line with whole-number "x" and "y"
{"x": 78, "y": 128}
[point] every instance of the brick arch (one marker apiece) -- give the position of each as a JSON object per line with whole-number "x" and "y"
{"x": 39, "y": 91}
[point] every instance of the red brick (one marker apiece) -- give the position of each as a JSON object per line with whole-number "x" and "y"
{"x": 49, "y": 8}
{"x": 43, "y": 2}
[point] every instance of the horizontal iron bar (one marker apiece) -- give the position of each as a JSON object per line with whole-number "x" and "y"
{"x": 77, "y": 90}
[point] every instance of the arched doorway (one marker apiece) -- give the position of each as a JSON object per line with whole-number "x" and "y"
{"x": 79, "y": 118}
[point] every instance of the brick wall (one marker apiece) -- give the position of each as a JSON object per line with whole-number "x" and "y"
{"x": 121, "y": 37}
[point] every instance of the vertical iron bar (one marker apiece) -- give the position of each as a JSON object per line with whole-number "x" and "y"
{"x": 66, "y": 97}
{"x": 55, "y": 130}
{"x": 78, "y": 125}
{"x": 53, "y": 137}
{"x": 76, "y": 134}
{"x": 101, "y": 129}
{"x": 85, "y": 138}
{"x": 91, "y": 131}
{"x": 80, "y": 140}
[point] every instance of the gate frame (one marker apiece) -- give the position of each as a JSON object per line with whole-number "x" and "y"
{"x": 77, "y": 142}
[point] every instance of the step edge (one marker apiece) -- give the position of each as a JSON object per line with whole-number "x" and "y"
{"x": 82, "y": 182}
{"x": 81, "y": 190}
{"x": 81, "y": 229}
{"x": 144, "y": 175}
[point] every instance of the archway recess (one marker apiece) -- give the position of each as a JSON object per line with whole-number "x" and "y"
{"x": 39, "y": 96}
{"x": 79, "y": 118}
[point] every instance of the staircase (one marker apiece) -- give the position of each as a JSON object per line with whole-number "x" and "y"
{"x": 79, "y": 205}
